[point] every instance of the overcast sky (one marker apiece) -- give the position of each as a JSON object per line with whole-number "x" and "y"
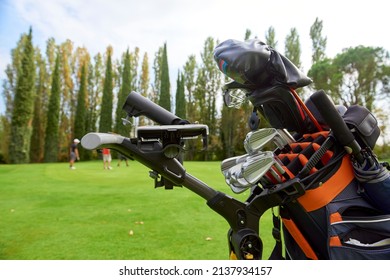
{"x": 185, "y": 25}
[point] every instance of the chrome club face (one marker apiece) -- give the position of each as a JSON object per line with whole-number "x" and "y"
{"x": 246, "y": 171}
{"x": 256, "y": 166}
{"x": 256, "y": 140}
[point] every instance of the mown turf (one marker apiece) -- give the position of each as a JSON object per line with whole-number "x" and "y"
{"x": 49, "y": 212}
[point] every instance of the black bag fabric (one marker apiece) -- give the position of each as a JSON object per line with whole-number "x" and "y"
{"x": 256, "y": 65}
{"x": 364, "y": 123}
{"x": 281, "y": 110}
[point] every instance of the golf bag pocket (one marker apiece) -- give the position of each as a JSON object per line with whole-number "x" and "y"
{"x": 359, "y": 237}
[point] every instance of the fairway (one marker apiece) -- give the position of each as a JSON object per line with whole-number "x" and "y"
{"x": 49, "y": 212}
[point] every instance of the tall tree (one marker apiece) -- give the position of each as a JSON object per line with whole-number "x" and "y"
{"x": 134, "y": 63}
{"x": 69, "y": 76}
{"x": 190, "y": 68}
{"x": 293, "y": 47}
{"x": 9, "y": 87}
{"x": 95, "y": 89}
{"x": 37, "y": 137}
{"x": 190, "y": 78}
{"x": 105, "y": 124}
{"x": 165, "y": 90}
{"x": 180, "y": 97}
{"x": 248, "y": 34}
{"x": 157, "y": 66}
{"x": 144, "y": 86}
{"x": 123, "y": 93}
{"x": 270, "y": 37}
{"x": 53, "y": 115}
{"x": 318, "y": 41}
{"x": 81, "y": 108}
{"x": 23, "y": 106}
{"x": 208, "y": 86}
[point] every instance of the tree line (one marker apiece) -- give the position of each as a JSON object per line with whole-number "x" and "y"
{"x": 63, "y": 93}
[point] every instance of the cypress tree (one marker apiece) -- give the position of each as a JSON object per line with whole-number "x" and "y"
{"x": 23, "y": 106}
{"x": 105, "y": 124}
{"x": 53, "y": 115}
{"x": 81, "y": 108}
{"x": 165, "y": 94}
{"x": 180, "y": 97}
{"x": 37, "y": 137}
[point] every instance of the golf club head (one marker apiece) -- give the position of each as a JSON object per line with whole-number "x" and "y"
{"x": 235, "y": 180}
{"x": 230, "y": 162}
{"x": 256, "y": 140}
{"x": 257, "y": 166}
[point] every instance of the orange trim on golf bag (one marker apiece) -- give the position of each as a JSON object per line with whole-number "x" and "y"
{"x": 299, "y": 239}
{"x": 334, "y": 241}
{"x": 319, "y": 197}
{"x": 316, "y": 134}
{"x": 335, "y": 217}
{"x": 303, "y": 145}
{"x": 302, "y": 159}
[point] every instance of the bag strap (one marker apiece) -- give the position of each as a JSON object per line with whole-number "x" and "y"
{"x": 277, "y": 252}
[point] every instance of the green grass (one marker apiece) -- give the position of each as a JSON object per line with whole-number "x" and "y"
{"x": 49, "y": 212}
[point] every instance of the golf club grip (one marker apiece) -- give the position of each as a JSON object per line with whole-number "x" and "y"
{"x": 137, "y": 105}
{"x": 336, "y": 123}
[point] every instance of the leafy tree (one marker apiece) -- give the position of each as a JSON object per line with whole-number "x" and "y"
{"x": 190, "y": 76}
{"x": 144, "y": 78}
{"x": 293, "y": 47}
{"x": 358, "y": 75}
{"x": 365, "y": 75}
{"x": 123, "y": 93}
{"x": 134, "y": 63}
{"x": 144, "y": 85}
{"x": 270, "y": 37}
{"x": 165, "y": 90}
{"x": 189, "y": 73}
{"x": 248, "y": 34}
{"x": 95, "y": 89}
{"x": 53, "y": 115}
{"x": 23, "y": 106}
{"x": 157, "y": 66}
{"x": 105, "y": 124}
{"x": 207, "y": 87}
{"x": 325, "y": 76}
{"x": 318, "y": 41}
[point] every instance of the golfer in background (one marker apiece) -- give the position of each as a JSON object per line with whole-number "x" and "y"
{"x": 106, "y": 158}
{"x": 74, "y": 153}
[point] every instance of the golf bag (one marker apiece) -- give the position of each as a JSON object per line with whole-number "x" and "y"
{"x": 334, "y": 202}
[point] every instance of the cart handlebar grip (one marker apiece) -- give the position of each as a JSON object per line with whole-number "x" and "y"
{"x": 137, "y": 105}
{"x": 336, "y": 123}
{"x": 94, "y": 140}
